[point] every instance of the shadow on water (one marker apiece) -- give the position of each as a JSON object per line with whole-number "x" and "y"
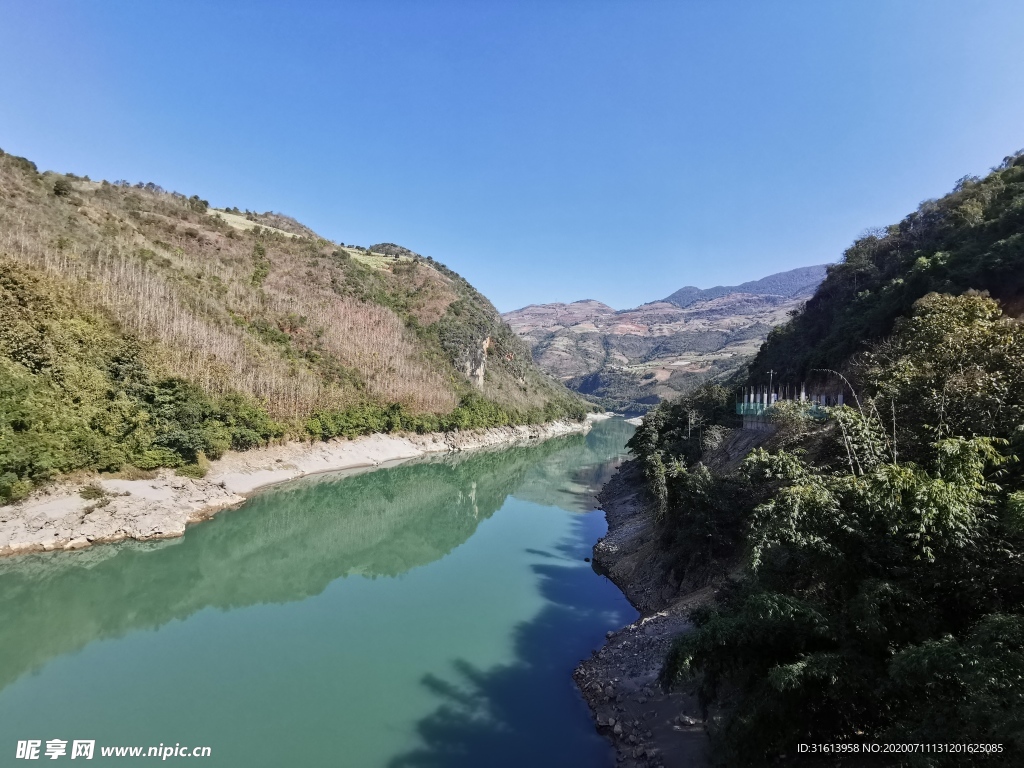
{"x": 509, "y": 715}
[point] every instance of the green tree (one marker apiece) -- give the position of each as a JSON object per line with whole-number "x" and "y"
{"x": 883, "y": 598}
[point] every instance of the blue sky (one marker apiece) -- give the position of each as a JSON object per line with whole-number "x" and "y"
{"x": 548, "y": 151}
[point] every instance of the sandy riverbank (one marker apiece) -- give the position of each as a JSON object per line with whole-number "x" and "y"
{"x": 57, "y": 517}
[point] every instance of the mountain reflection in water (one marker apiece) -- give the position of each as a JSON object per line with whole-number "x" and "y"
{"x": 288, "y": 543}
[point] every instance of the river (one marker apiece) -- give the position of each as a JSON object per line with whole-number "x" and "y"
{"x": 426, "y": 614}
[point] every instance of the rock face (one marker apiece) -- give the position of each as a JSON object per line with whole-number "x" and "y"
{"x": 476, "y": 363}
{"x": 631, "y": 359}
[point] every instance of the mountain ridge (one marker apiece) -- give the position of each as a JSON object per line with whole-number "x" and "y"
{"x": 903, "y": 508}
{"x": 792, "y": 282}
{"x": 631, "y": 359}
{"x": 142, "y": 328}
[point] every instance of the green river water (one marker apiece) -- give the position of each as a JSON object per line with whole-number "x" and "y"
{"x": 426, "y": 614}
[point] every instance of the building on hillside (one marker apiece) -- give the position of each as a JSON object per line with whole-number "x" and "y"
{"x": 753, "y": 403}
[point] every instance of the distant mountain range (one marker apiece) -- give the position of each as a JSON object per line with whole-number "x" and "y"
{"x": 796, "y": 282}
{"x": 629, "y": 360}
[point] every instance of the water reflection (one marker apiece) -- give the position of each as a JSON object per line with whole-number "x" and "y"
{"x": 570, "y": 479}
{"x": 286, "y": 545}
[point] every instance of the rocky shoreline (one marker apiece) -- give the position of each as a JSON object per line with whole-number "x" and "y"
{"x": 59, "y": 517}
{"x": 647, "y": 726}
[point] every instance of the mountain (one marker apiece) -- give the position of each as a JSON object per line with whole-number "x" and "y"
{"x": 796, "y": 282}
{"x": 870, "y": 555}
{"x": 630, "y": 360}
{"x": 971, "y": 238}
{"x": 142, "y": 327}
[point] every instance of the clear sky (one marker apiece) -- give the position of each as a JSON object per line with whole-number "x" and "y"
{"x": 548, "y": 151}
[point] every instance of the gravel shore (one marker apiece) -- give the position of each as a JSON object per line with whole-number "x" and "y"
{"x": 647, "y": 726}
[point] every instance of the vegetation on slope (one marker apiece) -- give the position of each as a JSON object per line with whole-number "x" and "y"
{"x": 633, "y": 393}
{"x": 138, "y": 327}
{"x": 881, "y": 598}
{"x": 973, "y": 238}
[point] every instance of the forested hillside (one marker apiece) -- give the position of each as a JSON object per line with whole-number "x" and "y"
{"x": 140, "y": 328}
{"x": 877, "y": 548}
{"x": 973, "y": 238}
